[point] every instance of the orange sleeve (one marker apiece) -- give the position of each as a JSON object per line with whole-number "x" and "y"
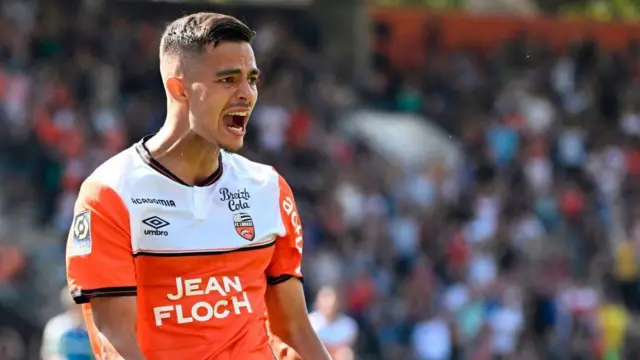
{"x": 287, "y": 256}
{"x": 99, "y": 255}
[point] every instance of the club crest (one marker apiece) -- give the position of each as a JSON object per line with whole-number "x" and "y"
{"x": 244, "y": 226}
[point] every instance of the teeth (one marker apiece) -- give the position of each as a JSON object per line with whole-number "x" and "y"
{"x": 238, "y": 113}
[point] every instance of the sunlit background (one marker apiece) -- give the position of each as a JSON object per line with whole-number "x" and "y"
{"x": 467, "y": 171}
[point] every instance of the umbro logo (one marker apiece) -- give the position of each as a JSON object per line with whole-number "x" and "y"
{"x": 156, "y": 223}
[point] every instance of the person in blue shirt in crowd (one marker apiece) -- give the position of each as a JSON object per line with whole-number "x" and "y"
{"x": 65, "y": 336}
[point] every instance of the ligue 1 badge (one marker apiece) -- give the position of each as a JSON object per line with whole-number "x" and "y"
{"x": 81, "y": 231}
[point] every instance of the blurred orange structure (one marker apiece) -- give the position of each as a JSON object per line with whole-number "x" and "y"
{"x": 410, "y": 28}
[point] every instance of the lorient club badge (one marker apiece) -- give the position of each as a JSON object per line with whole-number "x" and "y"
{"x": 244, "y": 226}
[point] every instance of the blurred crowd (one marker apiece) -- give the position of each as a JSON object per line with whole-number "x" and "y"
{"x": 527, "y": 249}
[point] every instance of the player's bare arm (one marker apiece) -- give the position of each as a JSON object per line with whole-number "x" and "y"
{"x": 284, "y": 297}
{"x": 115, "y": 318}
{"x": 101, "y": 272}
{"x": 289, "y": 320}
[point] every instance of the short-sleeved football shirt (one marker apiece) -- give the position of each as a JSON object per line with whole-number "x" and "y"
{"x": 198, "y": 258}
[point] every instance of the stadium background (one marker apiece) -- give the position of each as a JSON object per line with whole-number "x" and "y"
{"x": 468, "y": 178}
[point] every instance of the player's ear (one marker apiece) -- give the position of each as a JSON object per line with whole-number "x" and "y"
{"x": 176, "y": 89}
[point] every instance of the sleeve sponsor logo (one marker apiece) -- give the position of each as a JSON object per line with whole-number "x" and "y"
{"x": 81, "y": 232}
{"x": 289, "y": 207}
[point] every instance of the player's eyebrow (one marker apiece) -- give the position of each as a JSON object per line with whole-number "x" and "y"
{"x": 228, "y": 72}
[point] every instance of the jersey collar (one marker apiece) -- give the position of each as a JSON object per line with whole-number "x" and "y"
{"x": 146, "y": 157}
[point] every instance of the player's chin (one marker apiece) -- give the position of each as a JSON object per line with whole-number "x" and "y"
{"x": 232, "y": 146}
{"x": 231, "y": 141}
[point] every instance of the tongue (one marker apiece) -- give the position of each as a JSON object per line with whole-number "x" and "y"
{"x": 234, "y": 121}
{"x": 228, "y": 120}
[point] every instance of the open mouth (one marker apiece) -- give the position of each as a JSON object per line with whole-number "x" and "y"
{"x": 236, "y": 122}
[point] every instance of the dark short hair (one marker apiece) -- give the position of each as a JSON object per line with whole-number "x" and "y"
{"x": 192, "y": 33}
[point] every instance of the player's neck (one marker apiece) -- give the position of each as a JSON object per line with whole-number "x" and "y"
{"x": 187, "y": 156}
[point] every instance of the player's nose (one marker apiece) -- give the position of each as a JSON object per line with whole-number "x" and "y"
{"x": 246, "y": 92}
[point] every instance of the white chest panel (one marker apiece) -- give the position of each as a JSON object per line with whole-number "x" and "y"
{"x": 236, "y": 211}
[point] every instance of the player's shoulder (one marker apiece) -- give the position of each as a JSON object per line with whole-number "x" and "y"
{"x": 245, "y": 170}
{"x": 112, "y": 174}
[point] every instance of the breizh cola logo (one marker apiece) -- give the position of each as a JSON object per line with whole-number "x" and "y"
{"x": 236, "y": 200}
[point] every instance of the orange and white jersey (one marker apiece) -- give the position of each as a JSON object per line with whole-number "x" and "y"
{"x": 198, "y": 258}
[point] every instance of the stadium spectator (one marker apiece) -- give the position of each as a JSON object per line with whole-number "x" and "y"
{"x": 65, "y": 336}
{"x": 12, "y": 262}
{"x": 336, "y": 330}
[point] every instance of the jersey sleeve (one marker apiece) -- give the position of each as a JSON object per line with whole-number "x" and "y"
{"x": 287, "y": 256}
{"x": 99, "y": 256}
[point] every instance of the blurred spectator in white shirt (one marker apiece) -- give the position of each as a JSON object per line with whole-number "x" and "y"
{"x": 59, "y": 326}
{"x": 507, "y": 323}
{"x": 431, "y": 338}
{"x": 337, "y": 331}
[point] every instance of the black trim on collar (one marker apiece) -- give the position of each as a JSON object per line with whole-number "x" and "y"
{"x": 146, "y": 157}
